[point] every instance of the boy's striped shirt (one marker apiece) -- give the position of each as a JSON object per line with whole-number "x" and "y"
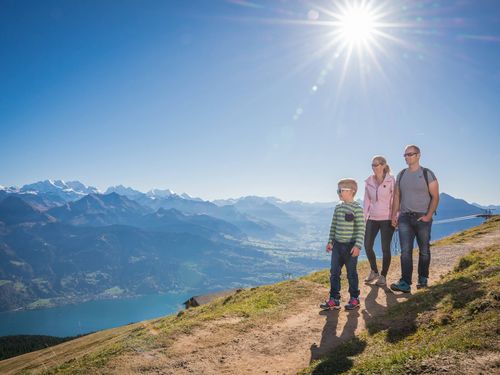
{"x": 345, "y": 231}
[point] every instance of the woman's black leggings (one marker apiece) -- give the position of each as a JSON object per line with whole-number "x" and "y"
{"x": 386, "y": 232}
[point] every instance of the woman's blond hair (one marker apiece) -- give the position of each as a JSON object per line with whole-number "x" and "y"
{"x": 381, "y": 160}
{"x": 348, "y": 183}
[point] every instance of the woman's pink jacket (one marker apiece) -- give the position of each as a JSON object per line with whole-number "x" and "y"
{"x": 377, "y": 203}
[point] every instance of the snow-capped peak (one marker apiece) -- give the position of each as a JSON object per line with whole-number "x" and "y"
{"x": 123, "y": 190}
{"x": 59, "y": 183}
{"x": 160, "y": 193}
{"x": 82, "y": 188}
{"x": 66, "y": 191}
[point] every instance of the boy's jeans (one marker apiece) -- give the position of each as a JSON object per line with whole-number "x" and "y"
{"x": 409, "y": 228}
{"x": 341, "y": 255}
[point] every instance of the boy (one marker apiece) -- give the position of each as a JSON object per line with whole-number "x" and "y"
{"x": 346, "y": 238}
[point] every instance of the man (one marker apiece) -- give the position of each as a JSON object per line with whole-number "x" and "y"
{"x": 416, "y": 198}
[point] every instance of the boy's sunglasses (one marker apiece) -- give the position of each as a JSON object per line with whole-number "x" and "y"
{"x": 343, "y": 189}
{"x": 409, "y": 154}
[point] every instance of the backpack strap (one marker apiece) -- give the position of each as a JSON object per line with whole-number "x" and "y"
{"x": 426, "y": 177}
{"x": 399, "y": 182}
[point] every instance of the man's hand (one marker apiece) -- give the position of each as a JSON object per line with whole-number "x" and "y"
{"x": 329, "y": 248}
{"x": 425, "y": 218}
{"x": 355, "y": 251}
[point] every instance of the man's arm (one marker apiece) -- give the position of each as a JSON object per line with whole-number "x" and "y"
{"x": 434, "y": 192}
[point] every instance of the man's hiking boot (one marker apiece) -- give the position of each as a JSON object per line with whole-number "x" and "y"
{"x": 353, "y": 304}
{"x": 422, "y": 282}
{"x": 372, "y": 276}
{"x": 331, "y": 304}
{"x": 381, "y": 281}
{"x": 401, "y": 286}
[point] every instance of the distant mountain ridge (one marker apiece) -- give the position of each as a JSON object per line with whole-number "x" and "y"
{"x": 108, "y": 245}
{"x": 14, "y": 210}
{"x": 450, "y": 207}
{"x": 49, "y": 193}
{"x": 70, "y": 190}
{"x": 99, "y": 209}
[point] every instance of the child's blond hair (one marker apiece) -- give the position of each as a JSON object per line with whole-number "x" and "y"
{"x": 349, "y": 183}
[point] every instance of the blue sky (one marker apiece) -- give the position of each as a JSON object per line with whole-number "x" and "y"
{"x": 230, "y": 98}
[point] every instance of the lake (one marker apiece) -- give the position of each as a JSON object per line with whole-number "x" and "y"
{"x": 71, "y": 320}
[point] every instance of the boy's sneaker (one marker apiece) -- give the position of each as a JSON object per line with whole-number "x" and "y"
{"x": 372, "y": 276}
{"x": 353, "y": 304}
{"x": 331, "y": 304}
{"x": 380, "y": 281}
{"x": 401, "y": 286}
{"x": 422, "y": 282}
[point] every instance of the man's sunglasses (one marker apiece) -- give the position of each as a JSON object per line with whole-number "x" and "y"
{"x": 410, "y": 154}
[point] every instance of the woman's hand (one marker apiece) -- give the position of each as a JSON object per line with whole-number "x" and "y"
{"x": 395, "y": 221}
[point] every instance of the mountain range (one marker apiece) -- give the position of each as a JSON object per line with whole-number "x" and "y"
{"x": 63, "y": 242}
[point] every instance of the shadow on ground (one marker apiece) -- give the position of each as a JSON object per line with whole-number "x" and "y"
{"x": 330, "y": 340}
{"x": 400, "y": 320}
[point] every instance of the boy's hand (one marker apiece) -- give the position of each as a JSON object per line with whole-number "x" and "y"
{"x": 329, "y": 248}
{"x": 355, "y": 251}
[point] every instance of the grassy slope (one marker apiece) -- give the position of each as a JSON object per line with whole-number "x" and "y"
{"x": 11, "y": 346}
{"x": 456, "y": 318}
{"x": 255, "y": 306}
{"x": 457, "y": 314}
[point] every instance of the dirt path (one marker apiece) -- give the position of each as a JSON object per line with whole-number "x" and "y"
{"x": 221, "y": 348}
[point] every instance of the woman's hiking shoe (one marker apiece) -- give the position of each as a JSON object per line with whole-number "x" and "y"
{"x": 401, "y": 286}
{"x": 372, "y": 276}
{"x": 422, "y": 282}
{"x": 381, "y": 281}
{"x": 331, "y": 304}
{"x": 353, "y": 304}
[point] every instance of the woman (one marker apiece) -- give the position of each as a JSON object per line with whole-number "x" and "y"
{"x": 377, "y": 207}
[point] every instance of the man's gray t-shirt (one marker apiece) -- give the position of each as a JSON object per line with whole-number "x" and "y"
{"x": 413, "y": 190}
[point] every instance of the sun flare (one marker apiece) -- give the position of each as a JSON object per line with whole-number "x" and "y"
{"x": 357, "y": 25}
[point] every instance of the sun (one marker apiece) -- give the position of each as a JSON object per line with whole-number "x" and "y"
{"x": 357, "y": 25}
